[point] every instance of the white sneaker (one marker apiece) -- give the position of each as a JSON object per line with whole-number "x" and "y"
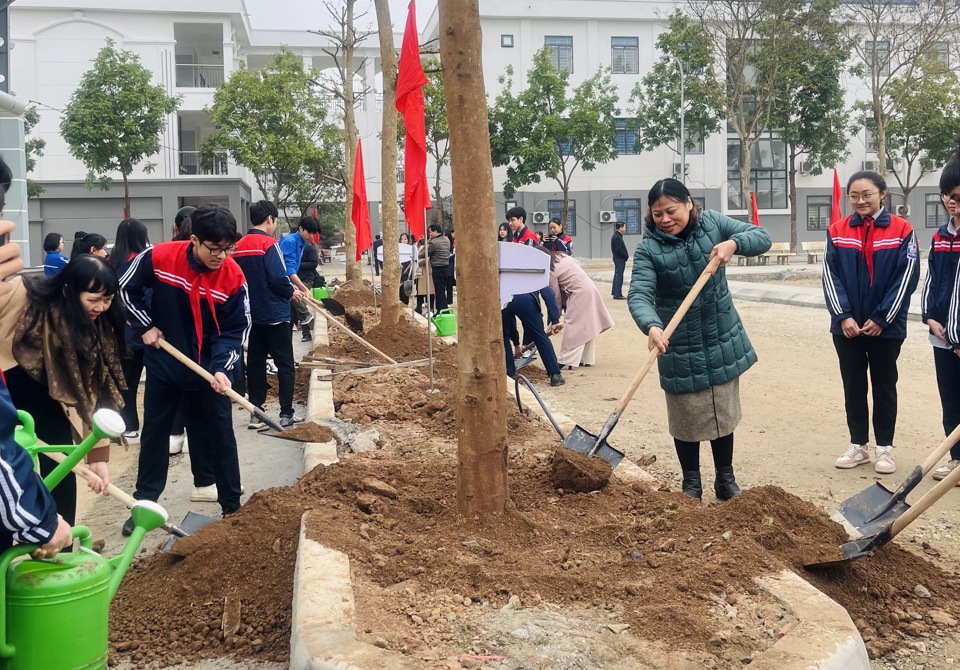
{"x": 856, "y": 455}
{"x": 944, "y": 470}
{"x": 178, "y": 443}
{"x": 885, "y": 464}
{"x": 204, "y": 493}
{"x": 131, "y": 437}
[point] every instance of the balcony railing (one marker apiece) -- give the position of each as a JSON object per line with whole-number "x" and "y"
{"x": 190, "y": 164}
{"x": 199, "y": 76}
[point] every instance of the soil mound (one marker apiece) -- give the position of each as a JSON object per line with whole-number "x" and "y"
{"x": 578, "y": 472}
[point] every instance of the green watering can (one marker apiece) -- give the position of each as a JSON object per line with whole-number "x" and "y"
{"x": 106, "y": 423}
{"x": 446, "y": 322}
{"x": 67, "y": 596}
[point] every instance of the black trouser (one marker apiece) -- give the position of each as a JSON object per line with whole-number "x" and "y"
{"x": 275, "y": 340}
{"x": 451, "y": 282}
{"x": 526, "y": 308}
{"x": 209, "y": 422}
{"x": 200, "y": 466}
{"x": 879, "y": 355}
{"x": 439, "y": 276}
{"x": 947, "y": 365}
{"x": 132, "y": 369}
{"x": 52, "y": 427}
{"x": 619, "y": 264}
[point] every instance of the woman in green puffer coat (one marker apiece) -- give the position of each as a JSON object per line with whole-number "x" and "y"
{"x": 701, "y": 364}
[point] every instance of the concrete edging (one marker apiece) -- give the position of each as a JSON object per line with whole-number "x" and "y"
{"x": 323, "y": 630}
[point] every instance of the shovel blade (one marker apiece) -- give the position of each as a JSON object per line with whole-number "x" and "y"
{"x": 189, "y": 525}
{"x": 524, "y": 360}
{"x": 855, "y": 549}
{"x": 876, "y": 506}
{"x": 583, "y": 442}
{"x": 333, "y": 306}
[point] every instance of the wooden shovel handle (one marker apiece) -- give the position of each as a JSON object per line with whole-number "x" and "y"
{"x": 330, "y": 318}
{"x": 922, "y": 505}
{"x": 667, "y": 332}
{"x": 85, "y": 472}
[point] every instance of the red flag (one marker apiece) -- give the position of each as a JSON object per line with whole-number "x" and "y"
{"x": 755, "y": 213}
{"x": 835, "y": 213}
{"x": 410, "y": 81}
{"x": 361, "y": 211}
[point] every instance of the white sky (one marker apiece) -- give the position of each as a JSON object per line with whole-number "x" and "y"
{"x": 311, "y": 14}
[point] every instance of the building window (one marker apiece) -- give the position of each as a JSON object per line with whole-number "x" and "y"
{"x": 819, "y": 209}
{"x": 506, "y": 41}
{"x": 768, "y": 174}
{"x": 878, "y": 56}
{"x": 934, "y": 215}
{"x": 560, "y": 48}
{"x": 942, "y": 51}
{"x": 626, "y": 137}
{"x": 629, "y": 211}
{"x": 565, "y": 148}
{"x": 699, "y": 200}
{"x": 870, "y": 139}
{"x": 697, "y": 149}
{"x": 625, "y": 58}
{"x": 555, "y": 208}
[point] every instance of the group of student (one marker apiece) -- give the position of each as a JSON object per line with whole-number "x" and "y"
{"x": 83, "y": 243}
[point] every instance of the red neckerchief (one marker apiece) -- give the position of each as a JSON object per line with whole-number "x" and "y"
{"x": 868, "y": 229}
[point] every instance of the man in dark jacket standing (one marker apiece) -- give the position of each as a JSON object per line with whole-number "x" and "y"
{"x": 377, "y": 245}
{"x": 620, "y": 256}
{"x": 258, "y": 255}
{"x": 438, "y": 249}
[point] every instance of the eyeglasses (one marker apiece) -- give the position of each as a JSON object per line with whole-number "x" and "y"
{"x": 953, "y": 197}
{"x": 856, "y": 197}
{"x": 220, "y": 251}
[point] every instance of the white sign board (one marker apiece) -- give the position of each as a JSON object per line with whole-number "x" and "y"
{"x": 523, "y": 269}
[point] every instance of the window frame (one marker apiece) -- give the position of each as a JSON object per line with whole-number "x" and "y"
{"x": 770, "y": 198}
{"x": 555, "y": 210}
{"x": 624, "y": 207}
{"x": 631, "y": 45}
{"x": 506, "y": 41}
{"x": 940, "y": 214}
{"x": 871, "y": 50}
{"x": 557, "y": 50}
{"x": 818, "y": 203}
{"x": 622, "y": 129}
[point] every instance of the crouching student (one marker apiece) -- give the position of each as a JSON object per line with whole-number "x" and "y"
{"x": 200, "y": 306}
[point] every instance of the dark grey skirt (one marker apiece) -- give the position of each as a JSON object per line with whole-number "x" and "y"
{"x": 704, "y": 415}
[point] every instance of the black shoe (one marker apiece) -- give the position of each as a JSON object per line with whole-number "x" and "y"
{"x": 306, "y": 337}
{"x": 725, "y": 485}
{"x": 128, "y": 527}
{"x": 557, "y": 380}
{"x": 619, "y": 297}
{"x": 691, "y": 485}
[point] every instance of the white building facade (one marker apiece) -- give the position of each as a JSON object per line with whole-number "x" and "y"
{"x": 191, "y": 47}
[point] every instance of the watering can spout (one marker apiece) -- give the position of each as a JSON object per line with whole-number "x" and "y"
{"x": 147, "y": 515}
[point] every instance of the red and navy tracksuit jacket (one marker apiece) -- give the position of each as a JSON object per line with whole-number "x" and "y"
{"x": 526, "y": 236}
{"x": 940, "y": 298}
{"x": 259, "y": 256}
{"x": 28, "y": 514}
{"x": 870, "y": 272}
{"x": 203, "y": 313}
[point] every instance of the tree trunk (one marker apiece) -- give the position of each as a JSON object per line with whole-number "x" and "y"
{"x": 390, "y": 279}
{"x": 126, "y": 196}
{"x": 482, "y": 486}
{"x": 437, "y": 198}
{"x": 744, "y": 174}
{"x": 792, "y": 176}
{"x": 354, "y": 271}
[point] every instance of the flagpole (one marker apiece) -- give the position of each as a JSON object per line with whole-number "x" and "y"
{"x": 426, "y": 255}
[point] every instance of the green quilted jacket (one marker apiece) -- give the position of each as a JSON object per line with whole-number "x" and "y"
{"x": 710, "y": 346}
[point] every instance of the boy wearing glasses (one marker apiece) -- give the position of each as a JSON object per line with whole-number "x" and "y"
{"x": 200, "y": 305}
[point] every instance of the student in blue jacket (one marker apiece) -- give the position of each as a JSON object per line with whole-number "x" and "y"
{"x": 940, "y": 307}
{"x": 870, "y": 269}
{"x": 55, "y": 260}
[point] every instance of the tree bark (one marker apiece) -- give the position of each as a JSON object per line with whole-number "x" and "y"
{"x": 792, "y": 189}
{"x": 482, "y": 486}
{"x": 126, "y": 196}
{"x": 354, "y": 271}
{"x": 390, "y": 280}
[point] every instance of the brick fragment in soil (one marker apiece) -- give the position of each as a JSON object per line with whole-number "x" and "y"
{"x": 654, "y": 559}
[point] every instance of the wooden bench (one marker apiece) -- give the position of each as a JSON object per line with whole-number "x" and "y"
{"x": 814, "y": 250}
{"x": 780, "y": 251}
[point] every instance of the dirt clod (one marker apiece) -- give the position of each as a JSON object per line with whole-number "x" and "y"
{"x": 577, "y": 472}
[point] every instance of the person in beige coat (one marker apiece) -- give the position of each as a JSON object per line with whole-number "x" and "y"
{"x": 584, "y": 314}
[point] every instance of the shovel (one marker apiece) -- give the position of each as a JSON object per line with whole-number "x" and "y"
{"x": 894, "y": 524}
{"x": 230, "y": 393}
{"x": 529, "y": 353}
{"x": 329, "y": 317}
{"x": 584, "y": 442}
{"x": 867, "y": 512}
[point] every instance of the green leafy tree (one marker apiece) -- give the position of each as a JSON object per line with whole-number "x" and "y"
{"x": 548, "y": 130}
{"x": 438, "y": 134}
{"x": 895, "y": 40}
{"x": 34, "y": 149}
{"x": 114, "y": 118}
{"x": 812, "y": 117}
{"x": 657, "y": 96}
{"x": 273, "y": 121}
{"x": 920, "y": 137}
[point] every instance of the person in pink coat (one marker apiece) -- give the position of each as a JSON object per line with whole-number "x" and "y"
{"x": 584, "y": 314}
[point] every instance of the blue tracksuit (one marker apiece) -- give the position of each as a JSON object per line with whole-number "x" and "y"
{"x": 53, "y": 263}
{"x": 292, "y": 245}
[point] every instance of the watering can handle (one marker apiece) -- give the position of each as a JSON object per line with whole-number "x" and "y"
{"x": 667, "y": 332}
{"x": 80, "y": 532}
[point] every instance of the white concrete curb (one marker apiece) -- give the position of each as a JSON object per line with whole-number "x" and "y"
{"x": 323, "y": 631}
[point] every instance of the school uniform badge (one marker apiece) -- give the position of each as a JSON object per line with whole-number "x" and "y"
{"x": 912, "y": 251}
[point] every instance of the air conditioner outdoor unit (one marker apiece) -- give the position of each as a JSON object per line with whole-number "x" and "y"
{"x": 608, "y": 217}
{"x": 676, "y": 169}
{"x": 903, "y": 210}
{"x": 871, "y": 166}
{"x": 806, "y": 167}
{"x": 541, "y": 217}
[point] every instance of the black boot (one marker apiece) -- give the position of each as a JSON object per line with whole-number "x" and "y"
{"x": 691, "y": 485}
{"x": 725, "y": 485}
